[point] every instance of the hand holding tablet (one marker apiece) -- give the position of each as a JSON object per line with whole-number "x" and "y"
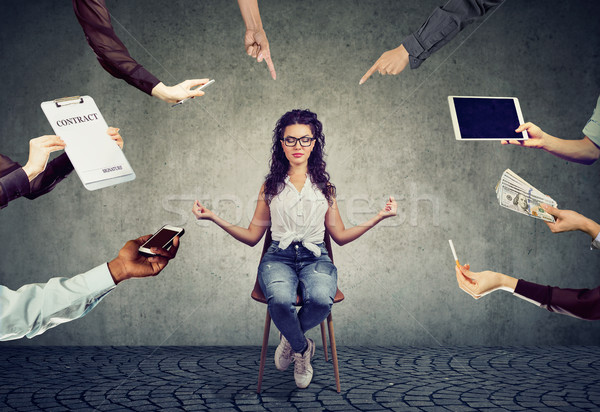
{"x": 486, "y": 118}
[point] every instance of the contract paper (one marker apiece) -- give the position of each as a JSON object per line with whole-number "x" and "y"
{"x": 97, "y": 159}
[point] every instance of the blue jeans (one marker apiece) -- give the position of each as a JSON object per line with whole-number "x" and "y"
{"x": 284, "y": 273}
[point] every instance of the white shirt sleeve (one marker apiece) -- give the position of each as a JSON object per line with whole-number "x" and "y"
{"x": 37, "y": 307}
{"x": 596, "y": 242}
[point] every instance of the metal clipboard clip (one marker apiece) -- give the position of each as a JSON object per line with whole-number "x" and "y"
{"x": 65, "y": 101}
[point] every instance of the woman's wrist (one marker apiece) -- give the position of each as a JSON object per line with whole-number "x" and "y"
{"x": 30, "y": 172}
{"x": 378, "y": 218}
{"x": 508, "y": 283}
{"x": 160, "y": 91}
{"x": 218, "y": 221}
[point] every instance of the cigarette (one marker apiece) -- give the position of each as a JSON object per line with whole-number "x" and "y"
{"x": 454, "y": 252}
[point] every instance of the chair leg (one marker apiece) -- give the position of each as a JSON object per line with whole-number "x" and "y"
{"x": 263, "y": 352}
{"x": 336, "y": 370}
{"x": 324, "y": 339}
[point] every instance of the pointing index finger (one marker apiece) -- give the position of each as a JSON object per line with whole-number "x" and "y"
{"x": 270, "y": 65}
{"x": 368, "y": 73}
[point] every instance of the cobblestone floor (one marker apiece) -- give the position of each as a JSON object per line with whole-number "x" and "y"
{"x": 224, "y": 378}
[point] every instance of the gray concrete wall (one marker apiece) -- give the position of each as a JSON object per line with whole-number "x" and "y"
{"x": 392, "y": 135}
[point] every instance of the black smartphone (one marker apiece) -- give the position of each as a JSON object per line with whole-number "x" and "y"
{"x": 162, "y": 239}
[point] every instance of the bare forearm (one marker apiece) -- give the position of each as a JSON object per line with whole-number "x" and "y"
{"x": 591, "y": 228}
{"x": 348, "y": 235}
{"x": 244, "y": 235}
{"x": 580, "y": 151}
{"x": 250, "y": 14}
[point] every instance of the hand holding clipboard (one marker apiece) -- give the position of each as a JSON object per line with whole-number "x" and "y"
{"x": 96, "y": 159}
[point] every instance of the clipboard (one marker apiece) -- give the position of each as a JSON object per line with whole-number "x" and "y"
{"x": 97, "y": 159}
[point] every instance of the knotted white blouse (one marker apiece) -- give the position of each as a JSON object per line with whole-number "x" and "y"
{"x": 299, "y": 216}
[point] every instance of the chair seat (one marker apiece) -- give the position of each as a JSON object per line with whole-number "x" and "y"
{"x": 258, "y": 295}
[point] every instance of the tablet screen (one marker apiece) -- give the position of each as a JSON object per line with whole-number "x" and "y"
{"x": 493, "y": 118}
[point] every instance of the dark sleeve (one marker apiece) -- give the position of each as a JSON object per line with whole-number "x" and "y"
{"x": 579, "y": 303}
{"x": 441, "y": 27}
{"x": 13, "y": 181}
{"x": 55, "y": 171}
{"x": 111, "y": 52}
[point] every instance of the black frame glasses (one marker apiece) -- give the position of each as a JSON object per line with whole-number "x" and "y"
{"x": 291, "y": 141}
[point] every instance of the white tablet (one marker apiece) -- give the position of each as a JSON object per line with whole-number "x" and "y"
{"x": 486, "y": 118}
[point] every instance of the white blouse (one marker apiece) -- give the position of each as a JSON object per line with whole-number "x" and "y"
{"x": 299, "y": 216}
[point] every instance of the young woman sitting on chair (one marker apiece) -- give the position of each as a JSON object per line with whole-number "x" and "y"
{"x": 298, "y": 202}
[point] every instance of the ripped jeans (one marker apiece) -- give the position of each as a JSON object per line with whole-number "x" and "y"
{"x": 285, "y": 272}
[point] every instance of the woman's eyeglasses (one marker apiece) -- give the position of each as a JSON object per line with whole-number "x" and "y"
{"x": 291, "y": 141}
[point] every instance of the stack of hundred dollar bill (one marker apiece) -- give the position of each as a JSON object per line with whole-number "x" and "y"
{"x": 516, "y": 194}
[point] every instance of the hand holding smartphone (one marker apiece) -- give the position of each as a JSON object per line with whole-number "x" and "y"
{"x": 163, "y": 239}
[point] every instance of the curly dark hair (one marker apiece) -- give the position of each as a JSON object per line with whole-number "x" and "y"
{"x": 279, "y": 165}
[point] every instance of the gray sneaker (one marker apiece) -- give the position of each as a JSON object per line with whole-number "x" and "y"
{"x": 303, "y": 371}
{"x": 283, "y": 354}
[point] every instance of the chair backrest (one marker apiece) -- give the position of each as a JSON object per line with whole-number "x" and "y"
{"x": 257, "y": 293}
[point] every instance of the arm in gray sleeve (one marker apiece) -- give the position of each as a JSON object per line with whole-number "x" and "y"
{"x": 596, "y": 242}
{"x": 592, "y": 127}
{"x": 442, "y": 25}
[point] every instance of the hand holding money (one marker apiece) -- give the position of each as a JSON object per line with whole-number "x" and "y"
{"x": 568, "y": 220}
{"x": 516, "y": 194}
